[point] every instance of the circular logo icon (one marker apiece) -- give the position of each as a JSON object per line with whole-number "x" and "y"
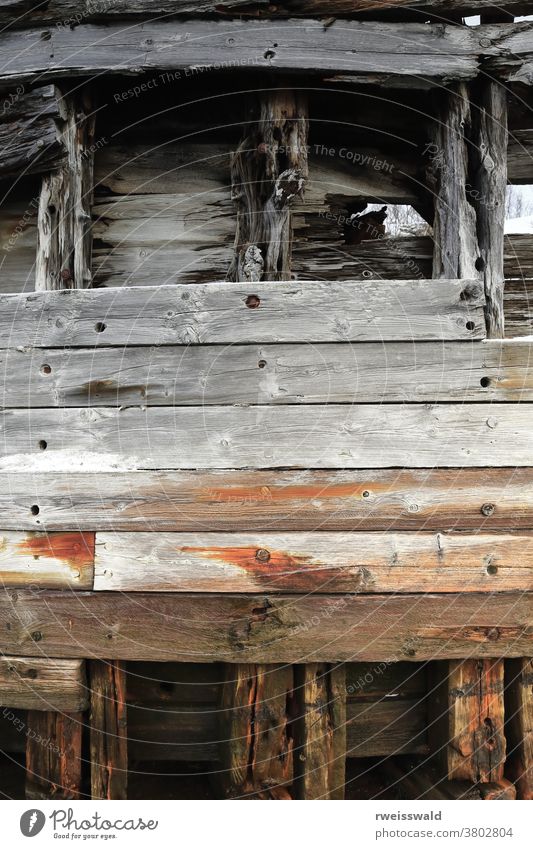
{"x": 32, "y": 822}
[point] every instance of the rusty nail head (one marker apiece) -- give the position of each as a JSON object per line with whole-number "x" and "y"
{"x": 66, "y": 274}
{"x": 262, "y": 555}
{"x": 488, "y": 509}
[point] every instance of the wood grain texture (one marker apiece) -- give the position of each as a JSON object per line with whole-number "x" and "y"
{"x": 50, "y": 561}
{"x": 268, "y": 374}
{"x": 30, "y": 140}
{"x": 265, "y": 629}
{"x": 331, "y": 436}
{"x": 519, "y": 724}
{"x": 370, "y": 499}
{"x": 53, "y": 755}
{"x": 314, "y": 562}
{"x": 256, "y": 747}
{"x": 43, "y": 684}
{"x": 224, "y": 312}
{"x": 368, "y": 49}
{"x": 387, "y": 728}
{"x": 108, "y": 730}
{"x": 320, "y": 731}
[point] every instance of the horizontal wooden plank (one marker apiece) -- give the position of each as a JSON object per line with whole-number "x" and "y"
{"x": 30, "y": 141}
{"x": 405, "y": 50}
{"x": 265, "y": 628}
{"x": 314, "y": 562}
{"x": 386, "y": 728}
{"x": 398, "y": 499}
{"x": 268, "y": 374}
{"x": 323, "y": 436}
{"x": 51, "y": 561}
{"x": 371, "y": 682}
{"x": 240, "y": 312}
{"x": 66, "y": 12}
{"x": 43, "y": 684}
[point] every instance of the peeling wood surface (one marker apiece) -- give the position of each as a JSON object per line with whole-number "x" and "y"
{"x": 43, "y": 684}
{"x": 266, "y": 629}
{"x": 363, "y": 49}
{"x": 519, "y": 724}
{"x": 425, "y": 499}
{"x": 268, "y": 374}
{"x": 54, "y": 755}
{"x": 330, "y": 436}
{"x": 246, "y": 312}
{"x": 314, "y": 562}
{"x": 108, "y": 730}
{"x": 55, "y": 561}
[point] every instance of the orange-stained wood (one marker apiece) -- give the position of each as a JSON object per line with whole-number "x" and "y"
{"x": 76, "y": 549}
{"x": 48, "y": 561}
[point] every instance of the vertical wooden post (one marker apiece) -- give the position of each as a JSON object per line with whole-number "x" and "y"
{"x": 255, "y": 740}
{"x": 519, "y": 719}
{"x": 64, "y": 216}
{"x": 468, "y": 707}
{"x": 53, "y": 755}
{"x": 269, "y": 170}
{"x": 320, "y": 731}
{"x": 489, "y": 180}
{"x": 108, "y": 730}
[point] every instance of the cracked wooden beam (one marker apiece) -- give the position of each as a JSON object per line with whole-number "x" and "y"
{"x": 108, "y": 730}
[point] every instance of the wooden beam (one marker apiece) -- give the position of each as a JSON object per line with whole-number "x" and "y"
{"x": 418, "y": 781}
{"x": 320, "y": 731}
{"x": 268, "y": 374}
{"x": 269, "y": 171}
{"x": 43, "y": 684}
{"x": 30, "y": 139}
{"x": 468, "y": 703}
{"x": 456, "y": 249}
{"x": 297, "y": 500}
{"x": 108, "y": 730}
{"x": 53, "y": 755}
{"x": 321, "y": 436}
{"x": 519, "y": 724}
{"x": 64, "y": 218}
{"x": 49, "y": 561}
{"x": 358, "y": 311}
{"x": 265, "y": 628}
{"x": 489, "y": 153}
{"x": 314, "y": 562}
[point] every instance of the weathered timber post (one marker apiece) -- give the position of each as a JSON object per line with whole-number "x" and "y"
{"x": 320, "y": 731}
{"x": 64, "y": 216}
{"x": 108, "y": 730}
{"x": 269, "y": 169}
{"x": 255, "y": 743}
{"x": 53, "y": 755}
{"x": 519, "y": 723}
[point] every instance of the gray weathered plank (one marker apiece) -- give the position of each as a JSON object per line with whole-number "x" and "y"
{"x": 240, "y": 312}
{"x": 314, "y": 562}
{"x": 323, "y": 436}
{"x": 266, "y": 628}
{"x": 43, "y": 684}
{"x": 52, "y": 561}
{"x": 268, "y": 374}
{"x": 430, "y": 499}
{"x": 30, "y": 141}
{"x": 405, "y": 50}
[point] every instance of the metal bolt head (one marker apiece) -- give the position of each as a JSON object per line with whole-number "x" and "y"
{"x": 488, "y": 509}
{"x": 262, "y": 555}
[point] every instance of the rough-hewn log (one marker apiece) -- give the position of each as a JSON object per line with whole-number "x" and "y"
{"x": 418, "y": 781}
{"x": 314, "y": 562}
{"x": 64, "y": 218}
{"x": 53, "y": 755}
{"x": 269, "y": 171}
{"x": 265, "y": 629}
{"x": 30, "y": 139}
{"x": 489, "y": 169}
{"x": 50, "y": 561}
{"x": 108, "y": 730}
{"x": 268, "y": 374}
{"x": 255, "y": 744}
{"x": 468, "y": 705}
{"x": 267, "y": 437}
{"x": 43, "y": 684}
{"x": 519, "y": 724}
{"x": 366, "y": 51}
{"x": 320, "y": 731}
